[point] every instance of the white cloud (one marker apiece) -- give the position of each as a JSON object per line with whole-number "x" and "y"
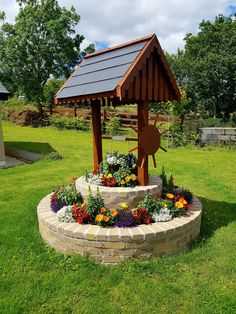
{"x": 117, "y": 21}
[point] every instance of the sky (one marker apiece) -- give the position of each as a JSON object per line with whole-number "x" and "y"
{"x": 111, "y": 22}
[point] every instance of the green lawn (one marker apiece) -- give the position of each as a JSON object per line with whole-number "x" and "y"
{"x": 35, "y": 279}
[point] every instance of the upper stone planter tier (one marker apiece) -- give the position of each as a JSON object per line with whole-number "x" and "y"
{"x": 114, "y": 196}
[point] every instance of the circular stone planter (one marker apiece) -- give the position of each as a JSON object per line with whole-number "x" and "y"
{"x": 114, "y": 196}
{"x": 114, "y": 245}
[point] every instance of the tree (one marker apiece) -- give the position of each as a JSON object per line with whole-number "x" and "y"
{"x": 207, "y": 66}
{"x": 50, "y": 89}
{"x": 41, "y": 43}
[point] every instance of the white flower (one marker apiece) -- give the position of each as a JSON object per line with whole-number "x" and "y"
{"x": 112, "y": 160}
{"x": 65, "y": 214}
{"x": 164, "y": 215}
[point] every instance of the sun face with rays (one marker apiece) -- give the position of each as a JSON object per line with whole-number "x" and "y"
{"x": 149, "y": 141}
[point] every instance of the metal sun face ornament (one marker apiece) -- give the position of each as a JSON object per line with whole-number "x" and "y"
{"x": 149, "y": 141}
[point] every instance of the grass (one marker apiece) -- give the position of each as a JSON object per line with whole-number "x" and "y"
{"x": 35, "y": 279}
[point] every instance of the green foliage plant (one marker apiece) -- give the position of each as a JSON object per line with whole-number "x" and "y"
{"x": 69, "y": 123}
{"x": 113, "y": 126}
{"x": 149, "y": 203}
{"x": 94, "y": 203}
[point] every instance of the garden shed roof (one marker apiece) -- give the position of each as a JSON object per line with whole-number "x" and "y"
{"x": 3, "y": 90}
{"x": 130, "y": 72}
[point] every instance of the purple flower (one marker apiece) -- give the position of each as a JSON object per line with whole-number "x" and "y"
{"x": 56, "y": 205}
{"x": 125, "y": 219}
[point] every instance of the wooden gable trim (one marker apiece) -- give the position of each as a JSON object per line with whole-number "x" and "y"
{"x": 135, "y": 66}
{"x": 151, "y": 60}
{"x": 77, "y": 99}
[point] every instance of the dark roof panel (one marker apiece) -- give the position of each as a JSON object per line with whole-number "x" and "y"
{"x": 3, "y": 90}
{"x": 120, "y": 60}
{"x": 100, "y": 73}
{"x": 105, "y": 74}
{"x": 115, "y": 53}
{"x": 90, "y": 88}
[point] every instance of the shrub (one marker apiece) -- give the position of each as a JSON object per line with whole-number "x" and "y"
{"x": 94, "y": 203}
{"x": 65, "y": 122}
{"x": 233, "y": 119}
{"x": 13, "y": 102}
{"x": 113, "y": 126}
{"x": 212, "y": 122}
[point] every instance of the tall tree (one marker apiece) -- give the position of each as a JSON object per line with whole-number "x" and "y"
{"x": 42, "y": 42}
{"x": 207, "y": 66}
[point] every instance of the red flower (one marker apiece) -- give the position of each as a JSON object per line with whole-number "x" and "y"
{"x": 96, "y": 170}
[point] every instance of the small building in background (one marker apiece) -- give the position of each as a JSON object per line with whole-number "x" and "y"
{"x": 4, "y": 94}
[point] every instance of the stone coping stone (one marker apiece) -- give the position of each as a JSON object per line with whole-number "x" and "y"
{"x": 113, "y": 245}
{"x": 114, "y": 196}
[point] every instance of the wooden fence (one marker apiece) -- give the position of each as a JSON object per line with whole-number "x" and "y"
{"x": 127, "y": 119}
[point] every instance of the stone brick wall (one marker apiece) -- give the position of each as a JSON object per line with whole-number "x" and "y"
{"x": 218, "y": 135}
{"x": 113, "y": 197}
{"x": 114, "y": 245}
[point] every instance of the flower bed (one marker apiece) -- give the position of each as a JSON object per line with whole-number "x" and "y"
{"x": 118, "y": 170}
{"x": 73, "y": 224}
{"x": 114, "y": 244}
{"x": 70, "y": 206}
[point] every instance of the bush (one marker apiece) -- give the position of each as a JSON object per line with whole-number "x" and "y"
{"x": 233, "y": 119}
{"x": 13, "y": 103}
{"x": 65, "y": 122}
{"x": 113, "y": 126}
{"x": 212, "y": 122}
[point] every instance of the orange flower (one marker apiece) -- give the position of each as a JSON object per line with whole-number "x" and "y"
{"x": 113, "y": 213}
{"x": 99, "y": 218}
{"x": 102, "y": 210}
{"x": 170, "y": 195}
{"x": 106, "y": 218}
{"x": 179, "y": 204}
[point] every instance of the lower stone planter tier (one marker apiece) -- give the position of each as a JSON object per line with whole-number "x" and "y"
{"x": 114, "y": 245}
{"x": 114, "y": 196}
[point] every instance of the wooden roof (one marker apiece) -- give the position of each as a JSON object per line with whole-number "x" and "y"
{"x": 131, "y": 72}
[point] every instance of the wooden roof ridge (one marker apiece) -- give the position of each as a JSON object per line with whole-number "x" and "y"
{"x": 126, "y": 44}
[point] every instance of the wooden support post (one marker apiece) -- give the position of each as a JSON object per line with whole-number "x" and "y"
{"x": 142, "y": 120}
{"x": 97, "y": 132}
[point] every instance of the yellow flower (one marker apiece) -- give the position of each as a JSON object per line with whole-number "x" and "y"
{"x": 113, "y": 213}
{"x": 102, "y": 210}
{"x": 106, "y": 218}
{"x": 99, "y": 217}
{"x": 109, "y": 176}
{"x": 127, "y": 179}
{"x": 170, "y": 196}
{"x": 179, "y": 204}
{"x": 122, "y": 182}
{"x": 133, "y": 177}
{"x": 184, "y": 201}
{"x": 124, "y": 206}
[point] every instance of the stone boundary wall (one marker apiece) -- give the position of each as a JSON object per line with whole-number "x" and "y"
{"x": 218, "y": 135}
{"x": 114, "y": 245}
{"x": 114, "y": 196}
